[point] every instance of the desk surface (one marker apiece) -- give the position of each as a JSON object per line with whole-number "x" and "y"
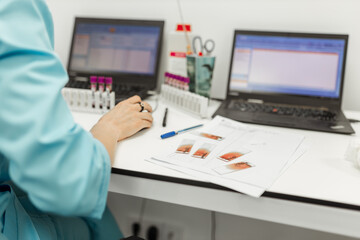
{"x": 321, "y": 179}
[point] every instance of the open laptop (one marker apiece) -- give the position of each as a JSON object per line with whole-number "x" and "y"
{"x": 126, "y": 50}
{"x": 287, "y": 79}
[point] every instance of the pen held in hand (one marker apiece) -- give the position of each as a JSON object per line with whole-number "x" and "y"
{"x": 173, "y": 133}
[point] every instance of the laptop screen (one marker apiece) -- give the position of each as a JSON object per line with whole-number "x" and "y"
{"x": 308, "y": 65}
{"x": 115, "y": 47}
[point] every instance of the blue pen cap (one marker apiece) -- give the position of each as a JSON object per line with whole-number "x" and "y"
{"x": 167, "y": 135}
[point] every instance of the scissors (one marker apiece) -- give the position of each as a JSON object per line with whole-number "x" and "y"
{"x": 208, "y": 46}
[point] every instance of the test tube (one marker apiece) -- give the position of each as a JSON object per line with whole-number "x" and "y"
{"x": 166, "y": 78}
{"x": 186, "y": 83}
{"x": 108, "y": 85}
{"x": 93, "y": 86}
{"x": 169, "y": 79}
{"x": 182, "y": 83}
{"x": 101, "y": 82}
{"x": 93, "y": 83}
{"x": 172, "y": 80}
{"x": 176, "y": 81}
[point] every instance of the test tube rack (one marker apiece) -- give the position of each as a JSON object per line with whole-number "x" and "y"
{"x": 188, "y": 101}
{"x": 84, "y": 100}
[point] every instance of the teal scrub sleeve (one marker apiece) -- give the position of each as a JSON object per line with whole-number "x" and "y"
{"x": 62, "y": 167}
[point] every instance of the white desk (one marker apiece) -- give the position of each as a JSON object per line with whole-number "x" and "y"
{"x": 321, "y": 191}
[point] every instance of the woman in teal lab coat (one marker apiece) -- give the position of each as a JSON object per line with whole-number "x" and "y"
{"x": 53, "y": 174}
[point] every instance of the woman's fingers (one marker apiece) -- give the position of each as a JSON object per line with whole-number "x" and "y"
{"x": 147, "y": 107}
{"x": 144, "y": 124}
{"x": 137, "y": 104}
{"x": 133, "y": 99}
{"x": 128, "y": 119}
{"x": 145, "y": 116}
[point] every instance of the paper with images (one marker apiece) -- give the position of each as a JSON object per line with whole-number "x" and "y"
{"x": 229, "y": 152}
{"x": 248, "y": 189}
{"x": 234, "y": 185}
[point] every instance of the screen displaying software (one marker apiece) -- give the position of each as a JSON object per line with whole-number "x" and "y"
{"x": 287, "y": 65}
{"x": 115, "y": 48}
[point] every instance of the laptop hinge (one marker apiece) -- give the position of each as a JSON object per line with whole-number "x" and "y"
{"x": 233, "y": 93}
{"x": 81, "y": 79}
{"x": 259, "y": 101}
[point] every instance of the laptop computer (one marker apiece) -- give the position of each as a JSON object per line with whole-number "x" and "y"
{"x": 125, "y": 49}
{"x": 290, "y": 80}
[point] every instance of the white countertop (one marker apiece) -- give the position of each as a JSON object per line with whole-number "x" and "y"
{"x": 321, "y": 182}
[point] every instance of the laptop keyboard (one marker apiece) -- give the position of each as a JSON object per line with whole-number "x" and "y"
{"x": 122, "y": 91}
{"x": 78, "y": 84}
{"x": 310, "y": 113}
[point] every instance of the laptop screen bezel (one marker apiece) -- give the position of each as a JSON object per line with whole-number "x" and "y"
{"x": 146, "y": 80}
{"x": 333, "y": 103}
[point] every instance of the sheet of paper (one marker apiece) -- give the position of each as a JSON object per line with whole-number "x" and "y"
{"x": 231, "y": 184}
{"x": 232, "y": 154}
{"x": 234, "y": 185}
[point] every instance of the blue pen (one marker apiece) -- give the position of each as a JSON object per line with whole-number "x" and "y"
{"x": 173, "y": 133}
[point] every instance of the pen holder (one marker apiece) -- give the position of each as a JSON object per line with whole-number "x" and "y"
{"x": 188, "y": 101}
{"x": 200, "y": 70}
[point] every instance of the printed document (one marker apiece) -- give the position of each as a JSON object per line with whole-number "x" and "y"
{"x": 232, "y": 154}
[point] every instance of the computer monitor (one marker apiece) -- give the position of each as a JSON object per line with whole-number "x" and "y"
{"x": 125, "y": 49}
{"x": 309, "y": 65}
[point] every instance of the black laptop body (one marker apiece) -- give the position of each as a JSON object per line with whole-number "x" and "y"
{"x": 290, "y": 80}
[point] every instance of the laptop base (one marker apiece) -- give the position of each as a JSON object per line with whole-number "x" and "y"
{"x": 340, "y": 125}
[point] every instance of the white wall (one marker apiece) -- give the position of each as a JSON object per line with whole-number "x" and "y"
{"x": 217, "y": 19}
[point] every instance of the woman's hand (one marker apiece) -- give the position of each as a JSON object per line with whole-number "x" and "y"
{"x": 123, "y": 121}
{"x": 126, "y": 118}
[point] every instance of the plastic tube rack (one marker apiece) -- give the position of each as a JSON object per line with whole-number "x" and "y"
{"x": 85, "y": 100}
{"x": 185, "y": 100}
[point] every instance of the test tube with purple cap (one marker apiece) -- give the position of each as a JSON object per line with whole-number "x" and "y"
{"x": 93, "y": 87}
{"x": 101, "y": 82}
{"x": 108, "y": 86}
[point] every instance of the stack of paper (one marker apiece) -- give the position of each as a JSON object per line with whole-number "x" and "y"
{"x": 232, "y": 154}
